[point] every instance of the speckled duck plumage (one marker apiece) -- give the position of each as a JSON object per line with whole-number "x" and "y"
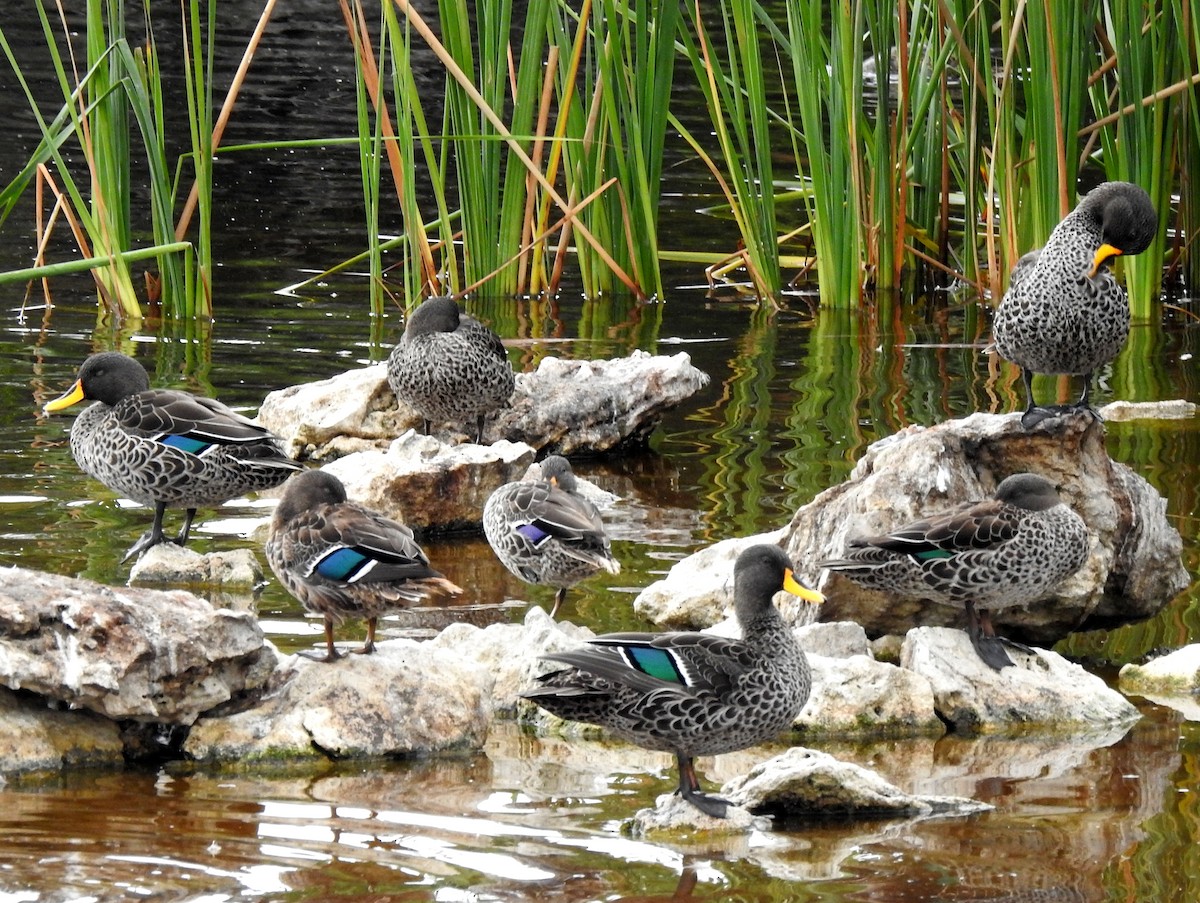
{"x": 449, "y": 367}
{"x": 166, "y": 448}
{"x": 1064, "y": 311}
{"x": 693, "y": 694}
{"x": 343, "y": 560}
{"x": 1009, "y": 550}
{"x": 545, "y": 532}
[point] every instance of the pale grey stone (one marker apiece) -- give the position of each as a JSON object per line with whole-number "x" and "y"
{"x": 427, "y": 484}
{"x": 563, "y": 406}
{"x": 126, "y": 653}
{"x": 806, "y": 783}
{"x": 350, "y": 411}
{"x": 1134, "y": 567}
{"x": 168, "y": 564}
{"x": 857, "y": 695}
{"x": 407, "y": 698}
{"x": 1174, "y": 674}
{"x": 1172, "y": 409}
{"x": 838, "y": 639}
{"x": 1042, "y": 691}
{"x": 586, "y": 407}
{"x": 698, "y": 591}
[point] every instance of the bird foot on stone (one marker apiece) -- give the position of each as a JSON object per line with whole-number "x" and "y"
{"x": 991, "y": 651}
{"x": 1039, "y": 413}
{"x": 712, "y": 806}
{"x": 148, "y": 540}
{"x": 331, "y": 655}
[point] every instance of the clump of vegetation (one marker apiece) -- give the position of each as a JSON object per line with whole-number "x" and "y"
{"x": 855, "y": 144}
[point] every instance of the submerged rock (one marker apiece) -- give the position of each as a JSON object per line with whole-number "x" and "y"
{"x": 807, "y": 784}
{"x": 130, "y": 653}
{"x": 564, "y": 406}
{"x": 1174, "y": 674}
{"x": 168, "y": 564}
{"x": 1134, "y": 567}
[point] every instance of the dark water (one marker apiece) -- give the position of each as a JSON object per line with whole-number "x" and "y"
{"x": 793, "y": 402}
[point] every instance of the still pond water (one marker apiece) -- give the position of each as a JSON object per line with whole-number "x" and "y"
{"x": 792, "y": 404}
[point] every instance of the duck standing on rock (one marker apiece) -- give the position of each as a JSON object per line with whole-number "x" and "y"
{"x": 166, "y": 448}
{"x": 694, "y": 694}
{"x": 999, "y": 553}
{"x": 1064, "y": 311}
{"x": 449, "y": 367}
{"x": 545, "y": 532}
{"x": 342, "y": 560}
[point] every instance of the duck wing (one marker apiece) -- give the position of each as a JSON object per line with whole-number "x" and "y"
{"x": 687, "y": 663}
{"x": 350, "y": 544}
{"x": 980, "y": 525}
{"x": 194, "y": 421}
{"x": 482, "y": 336}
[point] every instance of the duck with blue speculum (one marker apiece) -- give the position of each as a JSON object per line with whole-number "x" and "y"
{"x": 449, "y": 367}
{"x": 982, "y": 556}
{"x": 165, "y": 448}
{"x": 1064, "y": 311}
{"x": 693, "y": 694}
{"x": 341, "y": 559}
{"x": 547, "y": 533}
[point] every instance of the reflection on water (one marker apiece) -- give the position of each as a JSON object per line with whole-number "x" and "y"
{"x": 542, "y": 818}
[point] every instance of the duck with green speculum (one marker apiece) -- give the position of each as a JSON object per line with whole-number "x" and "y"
{"x": 545, "y": 532}
{"x": 693, "y": 694}
{"x": 449, "y": 367}
{"x": 343, "y": 560}
{"x": 1064, "y": 311}
{"x": 166, "y": 448}
{"x": 1006, "y": 551}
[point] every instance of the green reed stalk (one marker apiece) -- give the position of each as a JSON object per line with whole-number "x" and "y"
{"x": 732, "y": 79}
{"x": 824, "y": 68}
{"x": 200, "y": 39}
{"x": 1140, "y": 145}
{"x": 370, "y": 142}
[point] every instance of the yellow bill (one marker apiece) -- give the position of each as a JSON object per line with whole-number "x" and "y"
{"x": 796, "y": 588}
{"x": 1103, "y": 254}
{"x": 72, "y": 396}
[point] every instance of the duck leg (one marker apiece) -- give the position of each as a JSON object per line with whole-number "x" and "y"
{"x": 1084, "y": 404}
{"x": 479, "y": 430}
{"x": 1033, "y": 413}
{"x": 689, "y": 789}
{"x": 188, "y": 517}
{"x": 989, "y": 648}
{"x": 558, "y": 601}
{"x": 151, "y": 537}
{"x": 985, "y": 621}
{"x": 331, "y": 653}
{"x": 369, "y": 646}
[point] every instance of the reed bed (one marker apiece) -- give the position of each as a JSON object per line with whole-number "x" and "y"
{"x": 857, "y": 144}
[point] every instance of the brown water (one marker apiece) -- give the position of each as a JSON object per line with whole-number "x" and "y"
{"x": 792, "y": 404}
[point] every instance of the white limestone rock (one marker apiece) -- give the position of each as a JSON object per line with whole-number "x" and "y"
{"x": 168, "y": 564}
{"x": 36, "y": 737}
{"x": 1134, "y": 567}
{"x": 405, "y": 699}
{"x": 1042, "y": 691}
{"x": 1174, "y": 674}
{"x": 564, "y": 406}
{"x": 429, "y": 485}
{"x": 805, "y": 783}
{"x": 126, "y": 653}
